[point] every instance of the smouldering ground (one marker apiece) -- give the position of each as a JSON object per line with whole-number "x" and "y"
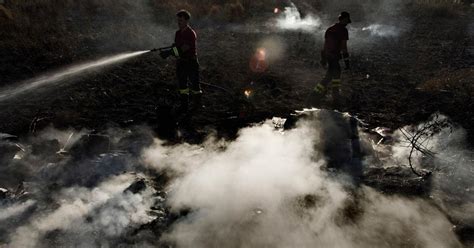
{"x": 142, "y": 170}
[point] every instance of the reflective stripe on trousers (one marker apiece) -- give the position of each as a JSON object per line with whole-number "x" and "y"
{"x": 336, "y": 83}
{"x": 184, "y": 91}
{"x": 187, "y": 71}
{"x": 188, "y": 91}
{"x": 319, "y": 88}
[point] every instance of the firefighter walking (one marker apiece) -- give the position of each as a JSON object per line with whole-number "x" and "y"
{"x": 335, "y": 49}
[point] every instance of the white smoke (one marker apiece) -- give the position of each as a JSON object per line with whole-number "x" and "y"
{"x": 291, "y": 20}
{"x": 66, "y": 138}
{"x": 452, "y": 165}
{"x": 15, "y": 209}
{"x": 382, "y": 30}
{"x": 370, "y": 19}
{"x": 110, "y": 210}
{"x": 69, "y": 201}
{"x": 268, "y": 189}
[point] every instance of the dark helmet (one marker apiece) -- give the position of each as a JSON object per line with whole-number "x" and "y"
{"x": 345, "y": 14}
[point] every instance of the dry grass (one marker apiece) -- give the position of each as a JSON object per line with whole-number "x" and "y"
{"x": 229, "y": 10}
{"x": 50, "y": 33}
{"x": 441, "y": 8}
{"x": 458, "y": 81}
{"x": 65, "y": 24}
{"x": 440, "y": 2}
{"x": 51, "y": 14}
{"x": 68, "y": 28}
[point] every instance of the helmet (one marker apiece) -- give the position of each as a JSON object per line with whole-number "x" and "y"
{"x": 345, "y": 14}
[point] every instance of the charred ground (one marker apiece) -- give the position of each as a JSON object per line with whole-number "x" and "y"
{"x": 394, "y": 81}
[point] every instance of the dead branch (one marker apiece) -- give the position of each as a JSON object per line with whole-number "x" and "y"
{"x": 419, "y": 136}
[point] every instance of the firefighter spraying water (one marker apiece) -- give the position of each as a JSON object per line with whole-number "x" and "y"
{"x": 187, "y": 65}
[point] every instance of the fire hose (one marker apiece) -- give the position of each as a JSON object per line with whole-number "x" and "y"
{"x": 172, "y": 50}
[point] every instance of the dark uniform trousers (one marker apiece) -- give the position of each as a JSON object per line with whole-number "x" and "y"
{"x": 187, "y": 71}
{"x": 332, "y": 79}
{"x": 333, "y": 73}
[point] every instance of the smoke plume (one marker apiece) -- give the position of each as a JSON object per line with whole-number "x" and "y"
{"x": 452, "y": 165}
{"x": 269, "y": 188}
{"x": 291, "y": 19}
{"x": 82, "y": 212}
{"x": 77, "y": 197}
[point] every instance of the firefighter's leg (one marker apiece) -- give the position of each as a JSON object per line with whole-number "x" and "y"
{"x": 321, "y": 88}
{"x": 319, "y": 91}
{"x": 195, "y": 91}
{"x": 336, "y": 83}
{"x": 183, "y": 90}
{"x": 329, "y": 75}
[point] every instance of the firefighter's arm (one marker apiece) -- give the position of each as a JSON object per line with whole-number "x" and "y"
{"x": 345, "y": 54}
{"x": 344, "y": 46}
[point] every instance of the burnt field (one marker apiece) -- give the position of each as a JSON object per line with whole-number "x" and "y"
{"x": 396, "y": 79}
{"x": 105, "y": 147}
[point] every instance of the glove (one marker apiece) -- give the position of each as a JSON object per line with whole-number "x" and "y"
{"x": 324, "y": 60}
{"x": 169, "y": 51}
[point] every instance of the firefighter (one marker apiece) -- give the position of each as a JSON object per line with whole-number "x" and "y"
{"x": 335, "y": 48}
{"x": 187, "y": 65}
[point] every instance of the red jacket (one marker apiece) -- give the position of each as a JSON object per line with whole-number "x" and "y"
{"x": 188, "y": 37}
{"x": 333, "y": 38}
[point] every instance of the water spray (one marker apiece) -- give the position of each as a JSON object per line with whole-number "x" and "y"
{"x": 382, "y": 30}
{"x": 60, "y": 76}
{"x": 63, "y": 150}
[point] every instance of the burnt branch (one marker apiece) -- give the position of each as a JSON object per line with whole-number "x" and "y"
{"x": 419, "y": 136}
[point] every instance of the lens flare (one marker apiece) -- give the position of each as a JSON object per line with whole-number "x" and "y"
{"x": 261, "y": 54}
{"x": 248, "y": 93}
{"x": 258, "y": 63}
{"x": 276, "y": 10}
